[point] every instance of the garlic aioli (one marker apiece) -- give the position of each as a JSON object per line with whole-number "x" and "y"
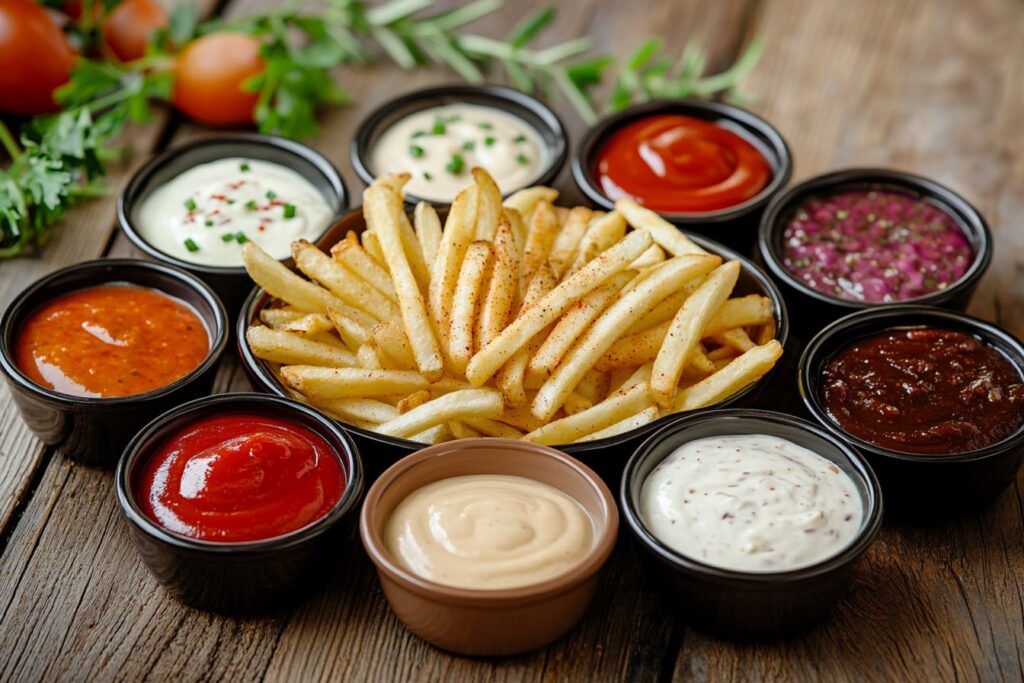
{"x": 489, "y": 532}
{"x": 753, "y": 503}
{"x": 208, "y": 212}
{"x": 440, "y": 145}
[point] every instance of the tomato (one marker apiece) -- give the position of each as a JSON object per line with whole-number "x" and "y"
{"x": 208, "y": 78}
{"x": 127, "y": 28}
{"x": 35, "y": 58}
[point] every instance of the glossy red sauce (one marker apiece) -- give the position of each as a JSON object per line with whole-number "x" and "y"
{"x": 240, "y": 477}
{"x": 114, "y": 340}
{"x": 681, "y": 164}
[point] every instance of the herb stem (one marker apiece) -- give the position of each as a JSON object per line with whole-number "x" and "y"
{"x": 9, "y": 143}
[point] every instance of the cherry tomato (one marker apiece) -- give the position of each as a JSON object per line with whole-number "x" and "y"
{"x": 208, "y": 78}
{"x": 35, "y": 55}
{"x": 127, "y": 28}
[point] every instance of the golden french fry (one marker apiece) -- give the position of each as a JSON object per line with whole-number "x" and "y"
{"x": 306, "y": 324}
{"x": 636, "y": 349}
{"x": 396, "y": 181}
{"x": 728, "y": 380}
{"x": 351, "y": 254}
{"x": 524, "y": 201}
{"x": 722, "y": 352}
{"x": 283, "y": 284}
{"x": 461, "y": 430}
{"x": 515, "y": 219}
{"x": 368, "y": 357}
{"x": 391, "y": 341}
{"x": 351, "y": 382}
{"x": 593, "y": 386}
{"x": 458, "y": 233}
{"x": 605, "y": 230}
{"x": 521, "y": 418}
{"x": 540, "y": 236}
{"x": 454, "y": 406}
{"x": 742, "y": 311}
{"x": 464, "y": 307}
{"x": 278, "y": 346}
{"x": 428, "y": 231}
{"x": 352, "y": 333}
{"x": 700, "y": 360}
{"x": 372, "y": 247}
{"x": 511, "y": 377}
{"x": 645, "y": 416}
{"x": 607, "y": 328}
{"x": 502, "y": 288}
{"x": 342, "y": 282}
{"x": 384, "y": 214}
{"x": 766, "y": 333}
{"x": 617, "y": 377}
{"x": 435, "y": 434}
{"x": 663, "y": 312}
{"x": 365, "y": 410}
{"x": 413, "y": 400}
{"x": 687, "y": 328}
{"x": 737, "y": 338}
{"x": 546, "y": 311}
{"x": 576, "y": 404}
{"x": 615, "y": 408}
{"x": 279, "y": 317}
{"x": 563, "y": 250}
{"x": 653, "y": 256}
{"x": 493, "y": 428}
{"x": 489, "y": 204}
{"x": 664, "y": 233}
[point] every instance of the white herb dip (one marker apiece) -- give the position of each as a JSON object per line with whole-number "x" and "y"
{"x": 753, "y": 503}
{"x": 440, "y": 145}
{"x": 208, "y": 212}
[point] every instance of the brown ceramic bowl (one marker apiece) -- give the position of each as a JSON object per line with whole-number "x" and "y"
{"x": 489, "y": 622}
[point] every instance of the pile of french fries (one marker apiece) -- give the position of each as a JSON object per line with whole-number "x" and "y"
{"x": 519, "y": 319}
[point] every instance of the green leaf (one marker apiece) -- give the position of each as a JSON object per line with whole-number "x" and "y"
{"x": 643, "y": 53}
{"x": 395, "y": 10}
{"x": 527, "y": 29}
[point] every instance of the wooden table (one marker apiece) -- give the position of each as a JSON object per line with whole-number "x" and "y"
{"x": 930, "y": 86}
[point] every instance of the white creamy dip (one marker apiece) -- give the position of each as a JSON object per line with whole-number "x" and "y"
{"x": 752, "y": 503}
{"x": 208, "y": 212}
{"x": 440, "y": 145}
{"x": 489, "y": 531}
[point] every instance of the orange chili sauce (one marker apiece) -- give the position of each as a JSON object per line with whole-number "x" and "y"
{"x": 112, "y": 340}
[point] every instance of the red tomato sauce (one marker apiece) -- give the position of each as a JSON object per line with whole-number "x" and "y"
{"x": 681, "y": 164}
{"x": 113, "y": 340}
{"x": 240, "y": 477}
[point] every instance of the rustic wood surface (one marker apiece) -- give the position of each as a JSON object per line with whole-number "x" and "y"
{"x": 933, "y": 86}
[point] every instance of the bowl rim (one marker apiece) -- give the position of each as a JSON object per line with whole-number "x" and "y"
{"x": 870, "y": 525}
{"x": 141, "y": 445}
{"x": 969, "y": 219}
{"x": 813, "y": 357}
{"x": 141, "y": 178}
{"x": 18, "y": 310}
{"x": 268, "y": 382}
{"x": 752, "y": 123}
{"x": 606, "y": 530}
{"x": 360, "y": 149}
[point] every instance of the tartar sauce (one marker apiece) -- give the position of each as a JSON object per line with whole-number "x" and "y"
{"x": 752, "y": 503}
{"x": 489, "y": 532}
{"x": 208, "y": 212}
{"x": 440, "y": 145}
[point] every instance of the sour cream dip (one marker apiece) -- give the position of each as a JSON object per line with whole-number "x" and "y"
{"x": 208, "y": 212}
{"x": 753, "y": 503}
{"x": 439, "y": 146}
{"x": 489, "y": 532}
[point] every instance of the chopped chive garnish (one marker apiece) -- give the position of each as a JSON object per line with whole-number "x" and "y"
{"x": 419, "y": 134}
{"x": 468, "y": 145}
{"x": 251, "y": 205}
{"x": 244, "y": 166}
{"x": 289, "y": 211}
{"x": 240, "y": 237}
{"x": 415, "y": 151}
{"x": 522, "y": 159}
{"x": 486, "y": 126}
{"x": 208, "y": 224}
{"x": 227, "y": 237}
{"x": 519, "y": 139}
{"x": 456, "y": 165}
{"x": 271, "y": 194}
{"x": 427, "y": 176}
{"x": 439, "y": 127}
{"x": 191, "y": 245}
{"x": 489, "y": 140}
{"x": 231, "y": 201}
{"x": 453, "y": 118}
{"x": 190, "y": 204}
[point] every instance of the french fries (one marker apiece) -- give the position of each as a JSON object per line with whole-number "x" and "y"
{"x": 519, "y": 319}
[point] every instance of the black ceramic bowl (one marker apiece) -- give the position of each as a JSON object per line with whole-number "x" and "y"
{"x": 531, "y": 110}
{"x": 820, "y": 308}
{"x": 94, "y": 430}
{"x": 604, "y": 455}
{"x": 738, "y": 603}
{"x": 920, "y": 486}
{"x": 230, "y": 282}
{"x": 735, "y": 226}
{"x": 241, "y": 577}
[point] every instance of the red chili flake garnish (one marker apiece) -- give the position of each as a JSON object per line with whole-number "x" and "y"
{"x": 262, "y": 228}
{"x": 219, "y": 197}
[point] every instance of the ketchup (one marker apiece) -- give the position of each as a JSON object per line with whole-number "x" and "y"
{"x": 681, "y": 164}
{"x": 240, "y": 477}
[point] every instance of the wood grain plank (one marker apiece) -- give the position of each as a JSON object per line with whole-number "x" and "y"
{"x": 936, "y": 88}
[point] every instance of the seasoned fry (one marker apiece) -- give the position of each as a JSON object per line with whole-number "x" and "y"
{"x": 413, "y": 400}
{"x": 458, "y": 233}
{"x": 728, "y": 380}
{"x": 642, "y": 418}
{"x": 278, "y": 346}
{"x": 737, "y": 338}
{"x": 428, "y": 232}
{"x": 563, "y": 250}
{"x": 461, "y": 430}
{"x": 687, "y": 328}
{"x": 283, "y": 284}
{"x": 489, "y": 207}
{"x": 352, "y": 333}
{"x": 663, "y": 312}
{"x": 372, "y": 247}
{"x": 279, "y": 317}
{"x": 767, "y": 333}
{"x": 540, "y": 236}
{"x": 366, "y": 410}
{"x": 351, "y": 382}
{"x": 494, "y": 428}
{"x": 653, "y": 256}
{"x": 603, "y": 232}
{"x": 368, "y": 357}
{"x": 454, "y": 406}
{"x": 524, "y": 201}
{"x": 351, "y": 254}
{"x": 593, "y": 386}
{"x": 614, "y": 409}
{"x": 342, "y": 282}
{"x": 464, "y": 307}
{"x": 435, "y": 434}
{"x": 664, "y": 233}
{"x": 390, "y": 340}
{"x": 741, "y": 312}
{"x": 502, "y": 287}
{"x": 634, "y": 350}
{"x": 306, "y": 325}
{"x": 511, "y": 378}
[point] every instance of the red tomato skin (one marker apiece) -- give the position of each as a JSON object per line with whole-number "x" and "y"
{"x": 128, "y": 27}
{"x": 35, "y": 56}
{"x": 208, "y": 78}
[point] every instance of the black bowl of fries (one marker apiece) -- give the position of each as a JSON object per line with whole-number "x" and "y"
{"x": 588, "y": 341}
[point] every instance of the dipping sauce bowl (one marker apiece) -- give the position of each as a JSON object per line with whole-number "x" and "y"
{"x": 500, "y": 621}
{"x": 747, "y": 603}
{"x": 237, "y": 577}
{"x": 94, "y": 430}
{"x": 919, "y": 485}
